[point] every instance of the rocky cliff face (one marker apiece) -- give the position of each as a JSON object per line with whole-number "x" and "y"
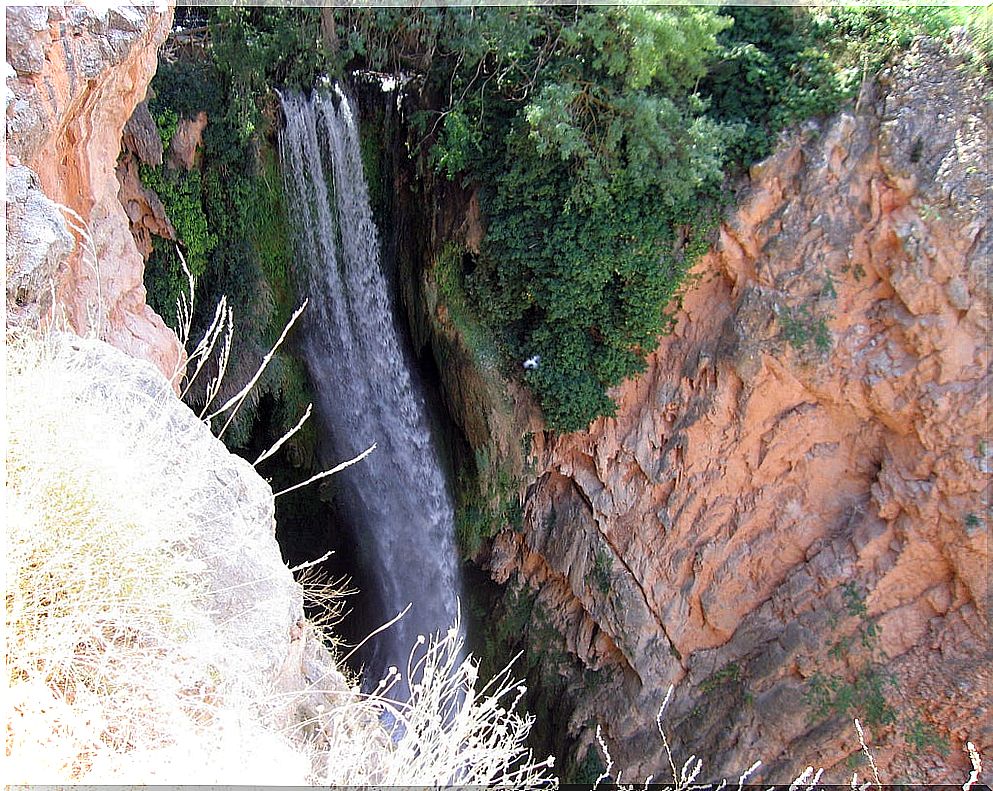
{"x": 74, "y": 78}
{"x": 77, "y": 76}
{"x": 788, "y": 518}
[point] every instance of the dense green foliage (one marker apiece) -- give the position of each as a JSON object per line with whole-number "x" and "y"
{"x": 233, "y": 232}
{"x": 781, "y": 65}
{"x": 602, "y": 139}
{"x": 598, "y": 167}
{"x": 596, "y": 198}
{"x": 181, "y": 195}
{"x": 259, "y": 48}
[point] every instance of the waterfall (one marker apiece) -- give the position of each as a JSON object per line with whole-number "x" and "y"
{"x": 397, "y": 498}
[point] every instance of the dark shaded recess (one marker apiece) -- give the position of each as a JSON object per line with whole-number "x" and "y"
{"x": 508, "y": 624}
{"x": 417, "y": 212}
{"x": 297, "y": 513}
{"x": 307, "y": 522}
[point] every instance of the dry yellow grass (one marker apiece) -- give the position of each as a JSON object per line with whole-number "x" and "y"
{"x": 120, "y": 669}
{"x": 112, "y": 669}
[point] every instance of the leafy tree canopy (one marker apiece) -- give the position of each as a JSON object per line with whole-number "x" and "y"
{"x": 601, "y": 139}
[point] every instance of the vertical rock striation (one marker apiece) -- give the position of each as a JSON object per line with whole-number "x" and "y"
{"x": 78, "y": 74}
{"x": 792, "y": 503}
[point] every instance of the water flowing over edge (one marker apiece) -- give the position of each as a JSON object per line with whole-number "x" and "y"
{"x": 397, "y": 499}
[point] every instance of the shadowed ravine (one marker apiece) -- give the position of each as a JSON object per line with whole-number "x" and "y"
{"x": 396, "y": 499}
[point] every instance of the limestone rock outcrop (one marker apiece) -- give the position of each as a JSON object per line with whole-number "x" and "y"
{"x": 78, "y": 75}
{"x": 194, "y": 517}
{"x": 255, "y": 601}
{"x": 147, "y": 216}
{"x": 789, "y": 516}
{"x": 39, "y": 244}
{"x": 184, "y": 148}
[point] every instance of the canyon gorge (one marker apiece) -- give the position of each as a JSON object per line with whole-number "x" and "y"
{"x": 789, "y": 511}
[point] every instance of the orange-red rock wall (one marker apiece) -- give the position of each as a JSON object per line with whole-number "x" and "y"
{"x": 79, "y": 75}
{"x": 797, "y": 490}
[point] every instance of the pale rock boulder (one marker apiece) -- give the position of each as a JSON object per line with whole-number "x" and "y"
{"x": 254, "y": 600}
{"x": 222, "y": 514}
{"x": 36, "y": 250}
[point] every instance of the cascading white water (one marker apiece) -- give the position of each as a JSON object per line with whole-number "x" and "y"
{"x": 397, "y": 498}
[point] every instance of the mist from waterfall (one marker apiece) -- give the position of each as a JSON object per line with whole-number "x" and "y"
{"x": 397, "y": 499}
